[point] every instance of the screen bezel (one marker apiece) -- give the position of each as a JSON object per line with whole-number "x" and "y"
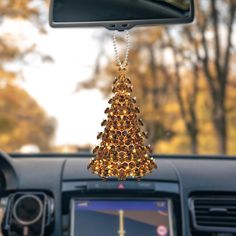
{"x": 73, "y": 200}
{"x": 122, "y": 24}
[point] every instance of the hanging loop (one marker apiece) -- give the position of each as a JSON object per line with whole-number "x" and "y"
{"x": 122, "y": 64}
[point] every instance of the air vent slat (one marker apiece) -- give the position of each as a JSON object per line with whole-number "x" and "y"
{"x": 214, "y": 223}
{"x": 229, "y": 213}
{"x": 214, "y": 212}
{"x": 216, "y": 218}
{"x": 216, "y": 201}
{"x": 212, "y": 206}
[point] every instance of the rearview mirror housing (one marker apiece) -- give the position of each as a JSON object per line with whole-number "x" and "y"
{"x": 120, "y": 14}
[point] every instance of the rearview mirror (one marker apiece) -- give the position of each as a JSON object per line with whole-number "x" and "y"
{"x": 120, "y": 14}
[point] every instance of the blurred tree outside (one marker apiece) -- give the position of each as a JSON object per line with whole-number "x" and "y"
{"x": 184, "y": 78}
{"x": 214, "y": 55}
{"x": 22, "y": 120}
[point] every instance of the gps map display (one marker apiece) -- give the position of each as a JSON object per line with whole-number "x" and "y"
{"x": 119, "y": 218}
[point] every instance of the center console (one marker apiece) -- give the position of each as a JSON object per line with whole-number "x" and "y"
{"x": 121, "y": 208}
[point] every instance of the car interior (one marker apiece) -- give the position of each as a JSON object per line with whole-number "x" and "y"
{"x": 55, "y": 194}
{"x": 197, "y": 194}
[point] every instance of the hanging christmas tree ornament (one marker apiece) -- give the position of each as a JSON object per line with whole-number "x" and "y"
{"x": 122, "y": 152}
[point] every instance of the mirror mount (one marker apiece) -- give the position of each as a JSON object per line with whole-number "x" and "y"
{"x": 120, "y": 26}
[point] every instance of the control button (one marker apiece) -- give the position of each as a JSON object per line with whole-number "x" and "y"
{"x": 162, "y": 230}
{"x": 121, "y": 186}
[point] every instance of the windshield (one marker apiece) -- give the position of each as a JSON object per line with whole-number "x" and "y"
{"x": 55, "y": 83}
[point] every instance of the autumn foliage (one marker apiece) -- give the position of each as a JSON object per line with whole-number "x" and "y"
{"x": 184, "y": 78}
{"x": 22, "y": 120}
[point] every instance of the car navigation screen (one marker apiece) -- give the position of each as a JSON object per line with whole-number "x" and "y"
{"x": 120, "y": 218}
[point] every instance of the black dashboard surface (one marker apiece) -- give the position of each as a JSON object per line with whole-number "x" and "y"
{"x": 192, "y": 175}
{"x": 2, "y": 183}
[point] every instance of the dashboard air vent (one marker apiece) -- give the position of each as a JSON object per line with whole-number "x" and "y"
{"x": 214, "y": 213}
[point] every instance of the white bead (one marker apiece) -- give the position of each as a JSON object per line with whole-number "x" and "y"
{"x": 127, "y": 39}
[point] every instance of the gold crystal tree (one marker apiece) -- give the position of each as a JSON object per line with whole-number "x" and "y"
{"x": 122, "y": 152}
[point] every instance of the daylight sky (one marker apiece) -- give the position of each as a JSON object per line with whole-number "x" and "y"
{"x": 53, "y": 85}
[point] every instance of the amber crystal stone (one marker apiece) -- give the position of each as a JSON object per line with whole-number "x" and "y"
{"x": 99, "y": 135}
{"x": 107, "y": 110}
{"x": 104, "y": 123}
{"x": 122, "y": 152}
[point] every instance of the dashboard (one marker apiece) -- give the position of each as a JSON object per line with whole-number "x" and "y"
{"x": 2, "y": 183}
{"x": 56, "y": 195}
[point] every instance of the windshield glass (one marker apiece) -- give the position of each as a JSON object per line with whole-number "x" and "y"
{"x": 55, "y": 83}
